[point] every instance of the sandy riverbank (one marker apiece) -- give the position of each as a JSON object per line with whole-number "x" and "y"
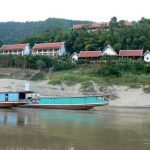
{"x": 122, "y": 96}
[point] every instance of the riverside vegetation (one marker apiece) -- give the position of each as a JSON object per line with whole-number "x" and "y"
{"x": 132, "y": 73}
{"x": 117, "y": 34}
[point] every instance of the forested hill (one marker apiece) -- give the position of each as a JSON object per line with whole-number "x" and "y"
{"x": 11, "y": 32}
{"x": 119, "y": 36}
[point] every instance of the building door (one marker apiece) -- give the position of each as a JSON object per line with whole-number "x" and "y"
{"x": 6, "y": 97}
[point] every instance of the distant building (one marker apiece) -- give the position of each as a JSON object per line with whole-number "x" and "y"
{"x": 91, "y": 27}
{"x": 49, "y": 49}
{"x": 127, "y": 23}
{"x": 74, "y": 57}
{"x": 131, "y": 53}
{"x": 147, "y": 56}
{"x": 78, "y": 26}
{"x": 89, "y": 54}
{"x": 98, "y": 26}
{"x": 15, "y": 49}
{"x": 109, "y": 51}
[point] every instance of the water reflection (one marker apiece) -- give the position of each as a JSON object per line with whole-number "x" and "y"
{"x": 8, "y": 117}
{"x": 75, "y": 117}
{"x": 31, "y": 117}
{"x": 105, "y": 129}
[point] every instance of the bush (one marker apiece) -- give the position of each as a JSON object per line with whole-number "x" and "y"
{"x": 38, "y": 76}
{"x": 119, "y": 68}
{"x": 55, "y": 82}
{"x": 109, "y": 70}
{"x": 147, "y": 68}
{"x": 63, "y": 64}
{"x": 147, "y": 89}
{"x": 87, "y": 86}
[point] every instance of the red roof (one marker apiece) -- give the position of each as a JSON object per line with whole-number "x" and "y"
{"x": 90, "y": 26}
{"x": 99, "y": 25}
{"x": 131, "y": 53}
{"x": 127, "y": 23}
{"x": 56, "y": 45}
{"x": 87, "y": 54}
{"x": 13, "y": 47}
{"x": 78, "y": 26}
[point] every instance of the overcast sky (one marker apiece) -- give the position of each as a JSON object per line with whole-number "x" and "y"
{"x": 93, "y": 10}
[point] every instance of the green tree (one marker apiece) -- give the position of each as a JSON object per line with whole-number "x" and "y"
{"x": 40, "y": 64}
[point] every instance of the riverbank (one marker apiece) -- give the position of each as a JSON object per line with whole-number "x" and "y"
{"x": 121, "y": 96}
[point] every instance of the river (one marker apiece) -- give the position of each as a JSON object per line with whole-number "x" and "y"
{"x": 108, "y": 128}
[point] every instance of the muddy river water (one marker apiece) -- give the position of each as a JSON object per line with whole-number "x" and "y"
{"x": 107, "y": 128}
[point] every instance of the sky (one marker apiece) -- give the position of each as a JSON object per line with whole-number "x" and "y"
{"x": 92, "y": 10}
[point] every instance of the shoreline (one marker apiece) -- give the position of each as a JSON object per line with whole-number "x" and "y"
{"x": 122, "y": 96}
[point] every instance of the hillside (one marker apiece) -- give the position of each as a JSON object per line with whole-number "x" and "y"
{"x": 11, "y": 32}
{"x": 118, "y": 35}
{"x": 71, "y": 83}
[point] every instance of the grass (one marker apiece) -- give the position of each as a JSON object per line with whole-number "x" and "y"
{"x": 14, "y": 73}
{"x": 3, "y": 76}
{"x": 55, "y": 82}
{"x": 87, "y": 86}
{"x": 38, "y": 76}
{"x": 85, "y": 76}
{"x": 147, "y": 89}
{"x": 72, "y": 77}
{"x": 135, "y": 86}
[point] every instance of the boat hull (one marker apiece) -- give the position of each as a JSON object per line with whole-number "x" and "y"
{"x": 69, "y": 103}
{"x": 66, "y": 107}
{"x": 11, "y": 104}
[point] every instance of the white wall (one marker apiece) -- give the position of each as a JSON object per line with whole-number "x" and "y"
{"x": 109, "y": 51}
{"x": 75, "y": 57}
{"x": 62, "y": 50}
{"x": 147, "y": 57}
{"x": 27, "y": 50}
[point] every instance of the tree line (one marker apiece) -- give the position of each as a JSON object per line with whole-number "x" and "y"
{"x": 106, "y": 68}
{"x": 117, "y": 35}
{"x": 13, "y": 32}
{"x": 37, "y": 62}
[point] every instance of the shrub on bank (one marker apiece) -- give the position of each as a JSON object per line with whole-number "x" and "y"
{"x": 118, "y": 69}
{"x": 38, "y": 76}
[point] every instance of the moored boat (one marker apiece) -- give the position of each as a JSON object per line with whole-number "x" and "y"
{"x": 70, "y": 103}
{"x": 11, "y": 104}
{"x": 13, "y": 99}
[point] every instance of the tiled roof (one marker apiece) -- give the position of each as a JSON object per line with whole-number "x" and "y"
{"x": 127, "y": 23}
{"x": 56, "y": 45}
{"x": 13, "y": 47}
{"x": 87, "y": 54}
{"x": 99, "y": 25}
{"x": 130, "y": 52}
{"x": 147, "y": 52}
{"x": 90, "y": 26}
{"x": 78, "y": 26}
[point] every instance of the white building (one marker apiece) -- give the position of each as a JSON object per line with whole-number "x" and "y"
{"x": 108, "y": 50}
{"x": 15, "y": 49}
{"x": 50, "y": 49}
{"x": 74, "y": 57}
{"x": 147, "y": 56}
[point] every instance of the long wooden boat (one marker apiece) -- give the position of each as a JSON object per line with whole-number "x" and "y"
{"x": 70, "y": 103}
{"x": 13, "y": 99}
{"x": 8, "y": 104}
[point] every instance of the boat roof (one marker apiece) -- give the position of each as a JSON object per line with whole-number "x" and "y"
{"x": 25, "y": 92}
{"x": 72, "y": 96}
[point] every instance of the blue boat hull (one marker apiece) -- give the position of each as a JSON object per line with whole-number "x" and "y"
{"x": 69, "y": 103}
